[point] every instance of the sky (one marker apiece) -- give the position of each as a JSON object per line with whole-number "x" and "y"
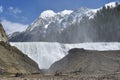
{"x": 17, "y": 15}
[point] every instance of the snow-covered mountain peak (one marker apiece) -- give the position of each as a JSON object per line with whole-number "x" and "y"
{"x": 111, "y": 4}
{"x": 49, "y": 20}
{"x": 65, "y": 12}
{"x": 47, "y": 13}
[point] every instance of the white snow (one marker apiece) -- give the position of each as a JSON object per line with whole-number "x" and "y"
{"x": 46, "y": 26}
{"x": 111, "y": 4}
{"x": 33, "y": 26}
{"x": 49, "y": 16}
{"x": 95, "y": 10}
{"x": 51, "y": 13}
{"x": 91, "y": 13}
{"x": 45, "y": 53}
{"x": 47, "y": 13}
{"x": 65, "y": 12}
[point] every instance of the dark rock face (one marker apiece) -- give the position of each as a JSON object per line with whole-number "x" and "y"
{"x": 87, "y": 61}
{"x": 13, "y": 60}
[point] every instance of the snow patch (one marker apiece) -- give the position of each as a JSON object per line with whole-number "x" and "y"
{"x": 46, "y": 26}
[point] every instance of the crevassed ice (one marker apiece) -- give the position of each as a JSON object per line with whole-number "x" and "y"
{"x": 45, "y": 53}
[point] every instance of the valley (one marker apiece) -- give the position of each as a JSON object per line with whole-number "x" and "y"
{"x": 79, "y": 44}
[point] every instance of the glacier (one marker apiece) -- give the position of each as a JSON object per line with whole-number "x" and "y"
{"x": 46, "y": 53}
{"x": 43, "y": 53}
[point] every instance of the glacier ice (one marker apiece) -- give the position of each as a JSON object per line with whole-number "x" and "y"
{"x": 45, "y": 53}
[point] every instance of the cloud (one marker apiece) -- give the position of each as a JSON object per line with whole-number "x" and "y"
{"x": 1, "y": 9}
{"x": 16, "y": 13}
{"x": 11, "y": 27}
{"x": 13, "y": 10}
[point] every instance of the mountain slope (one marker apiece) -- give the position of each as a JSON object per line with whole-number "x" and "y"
{"x": 3, "y": 36}
{"x": 88, "y": 61}
{"x": 103, "y": 27}
{"x": 81, "y": 25}
{"x": 13, "y": 60}
{"x": 49, "y": 26}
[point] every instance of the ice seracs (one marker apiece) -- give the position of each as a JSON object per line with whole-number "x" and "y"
{"x": 44, "y": 54}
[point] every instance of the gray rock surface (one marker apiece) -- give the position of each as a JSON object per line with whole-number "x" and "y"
{"x": 88, "y": 61}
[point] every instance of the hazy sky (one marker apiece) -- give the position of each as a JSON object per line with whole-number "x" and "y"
{"x": 16, "y": 13}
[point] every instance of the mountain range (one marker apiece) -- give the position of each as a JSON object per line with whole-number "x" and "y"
{"x": 49, "y": 26}
{"x": 68, "y": 26}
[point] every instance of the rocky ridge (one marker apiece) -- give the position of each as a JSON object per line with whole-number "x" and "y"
{"x": 13, "y": 60}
